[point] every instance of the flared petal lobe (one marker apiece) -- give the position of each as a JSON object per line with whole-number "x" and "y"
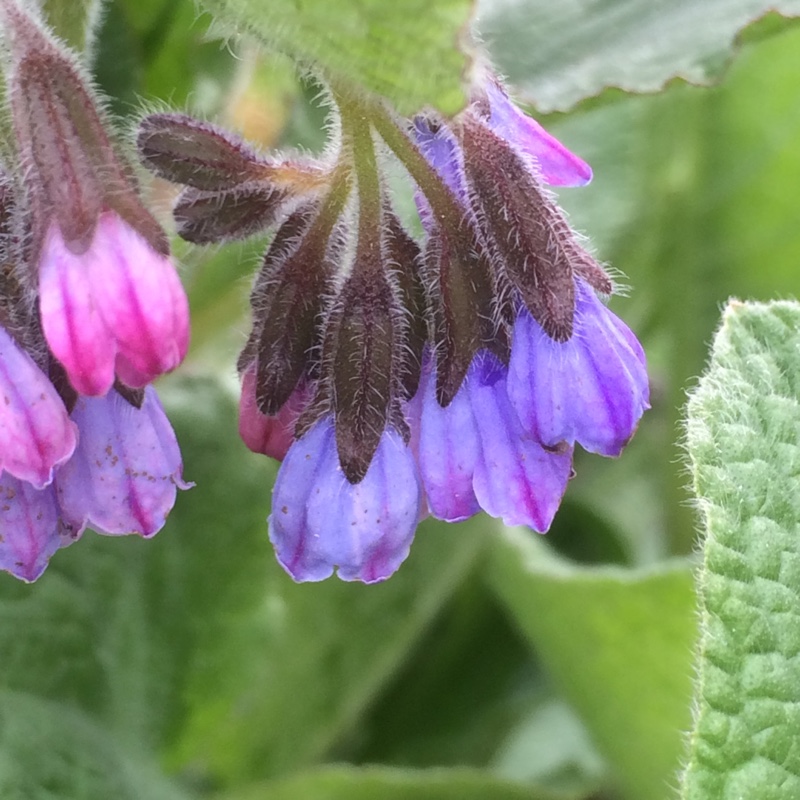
{"x": 320, "y": 521}
{"x": 126, "y": 470}
{"x": 30, "y": 528}
{"x": 36, "y": 433}
{"x": 117, "y": 307}
{"x": 556, "y": 164}
{"x": 516, "y": 479}
{"x": 591, "y": 389}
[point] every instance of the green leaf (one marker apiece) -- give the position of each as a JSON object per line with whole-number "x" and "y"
{"x": 73, "y": 20}
{"x": 288, "y": 682}
{"x": 560, "y": 53}
{"x": 618, "y": 642}
{"x": 160, "y": 50}
{"x": 468, "y": 681}
{"x": 50, "y": 750}
{"x": 743, "y": 433}
{"x": 405, "y": 50}
{"x": 347, "y": 783}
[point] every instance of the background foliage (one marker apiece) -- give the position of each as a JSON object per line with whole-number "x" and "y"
{"x": 495, "y": 664}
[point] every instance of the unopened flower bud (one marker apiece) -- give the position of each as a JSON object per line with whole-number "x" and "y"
{"x": 287, "y": 305}
{"x": 195, "y": 153}
{"x": 205, "y": 217}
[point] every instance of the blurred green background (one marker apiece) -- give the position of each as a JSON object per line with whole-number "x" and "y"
{"x": 495, "y": 663}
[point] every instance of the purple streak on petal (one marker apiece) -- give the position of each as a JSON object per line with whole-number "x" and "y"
{"x": 124, "y": 475}
{"x": 592, "y": 389}
{"x": 557, "y": 165}
{"x": 320, "y": 521}
{"x": 30, "y": 530}
{"x": 36, "y": 433}
{"x": 448, "y": 451}
{"x": 140, "y": 298}
{"x": 516, "y": 479}
{"x": 73, "y": 325}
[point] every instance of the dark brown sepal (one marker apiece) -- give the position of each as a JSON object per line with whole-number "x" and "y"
{"x": 363, "y": 322}
{"x": 58, "y": 377}
{"x": 404, "y": 259}
{"x": 525, "y": 231}
{"x": 195, "y": 153}
{"x": 462, "y": 300}
{"x": 52, "y": 117}
{"x": 288, "y": 305}
{"x": 134, "y": 397}
{"x": 207, "y": 217}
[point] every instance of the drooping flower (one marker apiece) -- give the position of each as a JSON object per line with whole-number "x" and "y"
{"x": 66, "y": 460}
{"x": 111, "y": 303}
{"x": 575, "y": 372}
{"x": 591, "y": 390}
{"x": 127, "y": 468}
{"x": 396, "y": 378}
{"x": 122, "y": 478}
{"x": 116, "y": 309}
{"x": 321, "y": 521}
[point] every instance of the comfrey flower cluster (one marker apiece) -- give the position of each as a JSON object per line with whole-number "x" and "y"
{"x": 396, "y": 379}
{"x": 91, "y": 311}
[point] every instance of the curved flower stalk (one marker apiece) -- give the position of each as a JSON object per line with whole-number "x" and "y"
{"x": 397, "y": 378}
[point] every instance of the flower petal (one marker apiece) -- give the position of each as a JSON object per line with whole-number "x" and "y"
{"x": 271, "y": 435}
{"x": 124, "y": 475}
{"x": 443, "y": 153}
{"x": 73, "y": 325}
{"x": 36, "y": 434}
{"x": 320, "y": 521}
{"x": 448, "y": 450}
{"x": 557, "y": 165}
{"x": 591, "y": 389}
{"x": 516, "y": 479}
{"x": 30, "y": 529}
{"x": 140, "y": 298}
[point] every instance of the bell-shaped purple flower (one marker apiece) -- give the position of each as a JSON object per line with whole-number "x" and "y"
{"x": 321, "y": 521}
{"x": 31, "y": 528}
{"x": 474, "y": 454}
{"x": 36, "y": 433}
{"x": 126, "y": 469}
{"x": 516, "y": 478}
{"x": 118, "y": 307}
{"x": 591, "y": 389}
